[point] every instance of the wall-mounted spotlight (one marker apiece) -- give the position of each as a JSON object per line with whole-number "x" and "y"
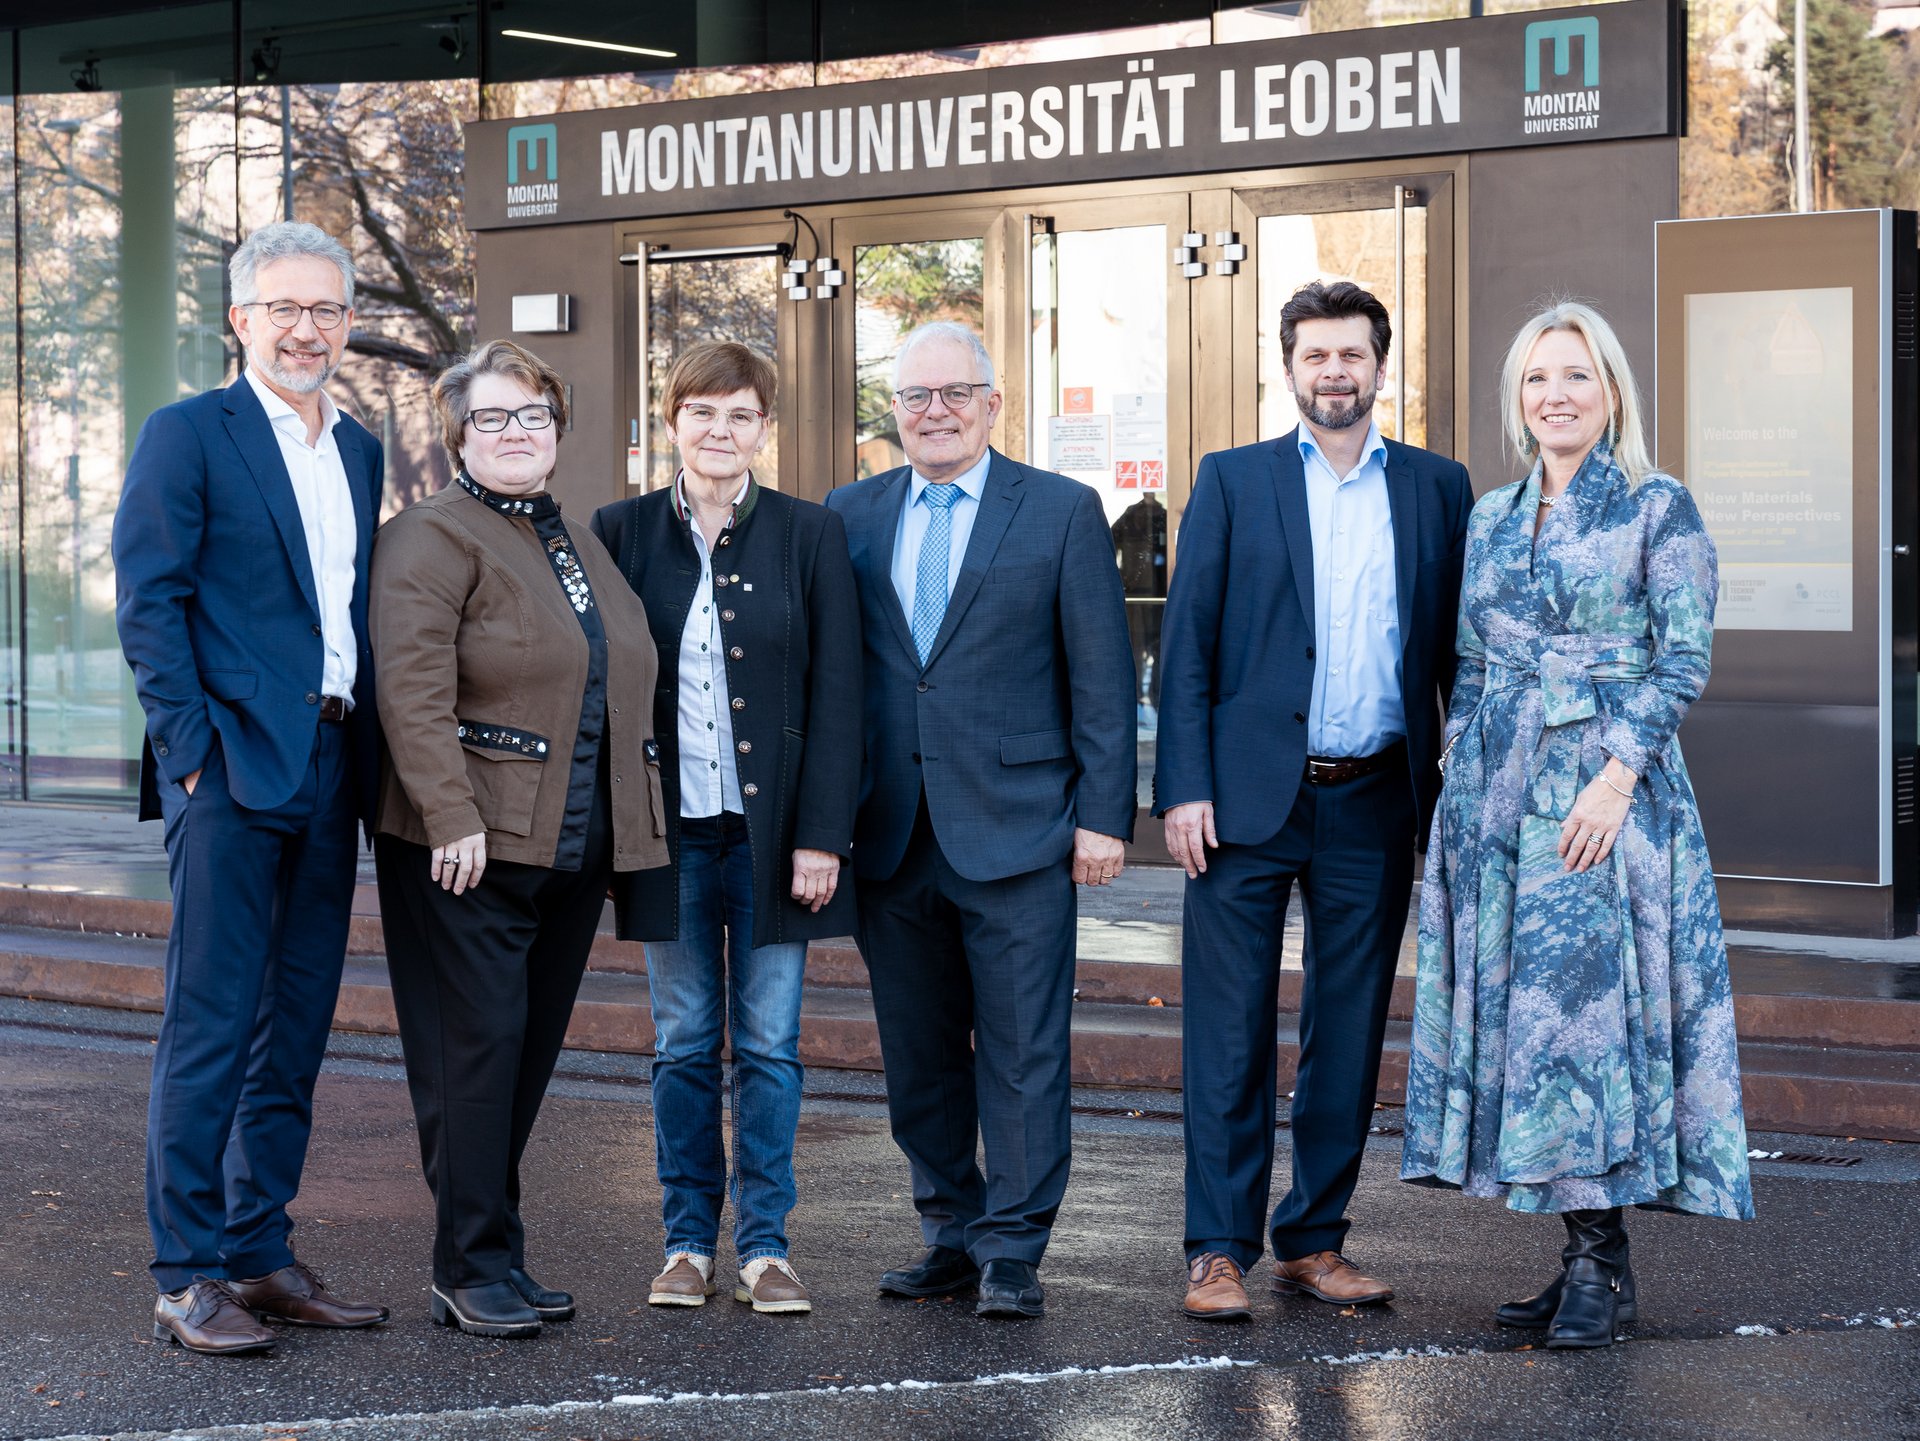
{"x": 265, "y": 60}
{"x": 87, "y": 78}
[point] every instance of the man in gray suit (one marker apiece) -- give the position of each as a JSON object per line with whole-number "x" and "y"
{"x": 1000, "y": 773}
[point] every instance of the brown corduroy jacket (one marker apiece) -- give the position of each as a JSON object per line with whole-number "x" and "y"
{"x": 483, "y": 666}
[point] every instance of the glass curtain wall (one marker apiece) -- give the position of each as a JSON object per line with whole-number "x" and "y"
{"x": 123, "y": 170}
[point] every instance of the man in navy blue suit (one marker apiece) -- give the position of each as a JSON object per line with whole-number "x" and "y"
{"x": 1308, "y": 645}
{"x": 1000, "y": 773}
{"x": 240, "y": 549}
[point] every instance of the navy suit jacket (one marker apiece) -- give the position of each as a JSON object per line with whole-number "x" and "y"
{"x": 218, "y": 614}
{"x": 1021, "y": 724}
{"x": 1237, "y": 641}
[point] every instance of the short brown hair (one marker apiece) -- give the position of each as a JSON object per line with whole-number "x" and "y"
{"x": 1342, "y": 300}
{"x": 717, "y": 368}
{"x": 493, "y": 357}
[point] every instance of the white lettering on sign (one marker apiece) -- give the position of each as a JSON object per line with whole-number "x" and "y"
{"x": 1271, "y": 102}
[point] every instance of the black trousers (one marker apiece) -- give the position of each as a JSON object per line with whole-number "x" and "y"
{"x": 973, "y": 996}
{"x": 1348, "y": 847}
{"x": 484, "y": 985}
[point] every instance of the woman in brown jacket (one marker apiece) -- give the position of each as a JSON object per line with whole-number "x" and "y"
{"x": 521, "y": 773}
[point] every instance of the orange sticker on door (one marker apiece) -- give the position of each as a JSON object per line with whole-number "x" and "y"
{"x": 1076, "y": 400}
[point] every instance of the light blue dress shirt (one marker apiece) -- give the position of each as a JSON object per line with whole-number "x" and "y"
{"x": 1357, "y": 705}
{"x": 913, "y": 529}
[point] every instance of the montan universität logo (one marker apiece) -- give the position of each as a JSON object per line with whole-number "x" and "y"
{"x": 1572, "y": 105}
{"x": 530, "y": 150}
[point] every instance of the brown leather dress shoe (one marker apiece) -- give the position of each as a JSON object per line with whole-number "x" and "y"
{"x": 1328, "y": 1276}
{"x": 295, "y": 1295}
{"x": 205, "y": 1317}
{"x": 1214, "y": 1289}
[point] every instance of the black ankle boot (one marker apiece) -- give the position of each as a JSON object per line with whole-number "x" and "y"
{"x": 1589, "y": 1311}
{"x": 1538, "y": 1310}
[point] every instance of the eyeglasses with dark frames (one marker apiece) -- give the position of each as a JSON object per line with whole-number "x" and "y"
{"x": 285, "y": 314}
{"x": 957, "y": 396}
{"x": 531, "y": 417}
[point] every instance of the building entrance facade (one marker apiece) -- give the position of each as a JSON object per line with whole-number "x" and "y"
{"x": 1133, "y": 329}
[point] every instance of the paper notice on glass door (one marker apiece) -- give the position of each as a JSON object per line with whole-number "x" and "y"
{"x": 1080, "y": 443}
{"x": 1140, "y": 440}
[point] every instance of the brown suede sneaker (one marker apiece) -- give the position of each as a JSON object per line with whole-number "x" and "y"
{"x": 1328, "y": 1276}
{"x": 294, "y": 1294}
{"x": 1214, "y": 1289}
{"x": 684, "y": 1282}
{"x": 769, "y": 1283}
{"x": 205, "y": 1317}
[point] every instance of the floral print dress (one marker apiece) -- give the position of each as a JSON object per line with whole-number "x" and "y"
{"x": 1573, "y": 1035}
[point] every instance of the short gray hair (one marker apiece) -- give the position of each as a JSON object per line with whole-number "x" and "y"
{"x": 280, "y": 241}
{"x": 948, "y": 330}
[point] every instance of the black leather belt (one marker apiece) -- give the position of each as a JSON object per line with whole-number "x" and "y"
{"x": 332, "y": 708}
{"x": 1332, "y": 770}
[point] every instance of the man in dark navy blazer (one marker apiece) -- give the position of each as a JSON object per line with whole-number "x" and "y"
{"x": 1000, "y": 773}
{"x": 240, "y": 549}
{"x": 1308, "y": 646}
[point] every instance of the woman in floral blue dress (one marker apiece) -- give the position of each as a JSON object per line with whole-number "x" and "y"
{"x": 1573, "y": 1037}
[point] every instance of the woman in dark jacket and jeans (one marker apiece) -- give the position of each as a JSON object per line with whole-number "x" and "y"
{"x": 750, "y": 597}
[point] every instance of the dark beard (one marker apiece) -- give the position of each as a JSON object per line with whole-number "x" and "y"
{"x": 1361, "y": 408}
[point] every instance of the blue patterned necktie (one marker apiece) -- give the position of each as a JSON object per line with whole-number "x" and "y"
{"x": 930, "y": 576}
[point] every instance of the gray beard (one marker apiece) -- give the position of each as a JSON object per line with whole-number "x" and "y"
{"x": 299, "y": 382}
{"x": 1361, "y": 408}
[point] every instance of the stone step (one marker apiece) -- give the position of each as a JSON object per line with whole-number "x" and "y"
{"x": 1823, "y": 1089}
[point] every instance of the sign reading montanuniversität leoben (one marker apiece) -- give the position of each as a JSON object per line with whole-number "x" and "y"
{"x": 1538, "y": 78}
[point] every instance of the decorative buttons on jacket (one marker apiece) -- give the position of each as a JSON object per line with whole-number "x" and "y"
{"x": 726, "y": 615}
{"x": 739, "y": 704}
{"x": 746, "y": 747}
{"x": 749, "y": 789}
{"x": 736, "y": 654}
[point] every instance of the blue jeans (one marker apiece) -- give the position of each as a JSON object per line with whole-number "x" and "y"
{"x": 709, "y": 982}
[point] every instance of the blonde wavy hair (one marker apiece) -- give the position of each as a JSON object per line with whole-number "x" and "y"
{"x": 1622, "y": 396}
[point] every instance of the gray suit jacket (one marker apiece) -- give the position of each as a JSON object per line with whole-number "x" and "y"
{"x": 1020, "y": 727}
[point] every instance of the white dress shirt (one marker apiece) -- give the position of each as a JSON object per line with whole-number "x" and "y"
{"x": 1357, "y": 708}
{"x": 914, "y": 517}
{"x": 321, "y": 490}
{"x": 709, "y": 779}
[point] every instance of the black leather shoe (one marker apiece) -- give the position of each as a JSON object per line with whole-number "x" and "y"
{"x": 940, "y": 1272}
{"x": 1537, "y": 1311}
{"x": 1589, "y": 1311}
{"x": 547, "y": 1304}
{"x": 1010, "y": 1289}
{"x": 495, "y": 1309}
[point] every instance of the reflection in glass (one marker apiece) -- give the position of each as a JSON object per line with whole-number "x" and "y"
{"x": 1355, "y": 245}
{"x": 13, "y": 715}
{"x": 896, "y": 288}
{"x": 1098, "y": 413}
{"x": 127, "y": 198}
{"x": 695, "y": 300}
{"x": 353, "y": 121}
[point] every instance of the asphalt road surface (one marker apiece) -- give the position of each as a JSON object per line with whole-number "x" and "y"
{"x": 1805, "y": 1324}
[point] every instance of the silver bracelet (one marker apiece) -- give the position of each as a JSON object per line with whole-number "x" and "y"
{"x": 1614, "y": 788}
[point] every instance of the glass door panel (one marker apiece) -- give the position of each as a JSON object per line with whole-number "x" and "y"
{"x": 897, "y": 287}
{"x": 1373, "y": 248}
{"x": 1107, "y": 396}
{"x": 693, "y": 300}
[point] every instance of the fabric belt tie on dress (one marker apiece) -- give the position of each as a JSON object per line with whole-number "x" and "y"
{"x": 1566, "y": 681}
{"x": 1331, "y": 770}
